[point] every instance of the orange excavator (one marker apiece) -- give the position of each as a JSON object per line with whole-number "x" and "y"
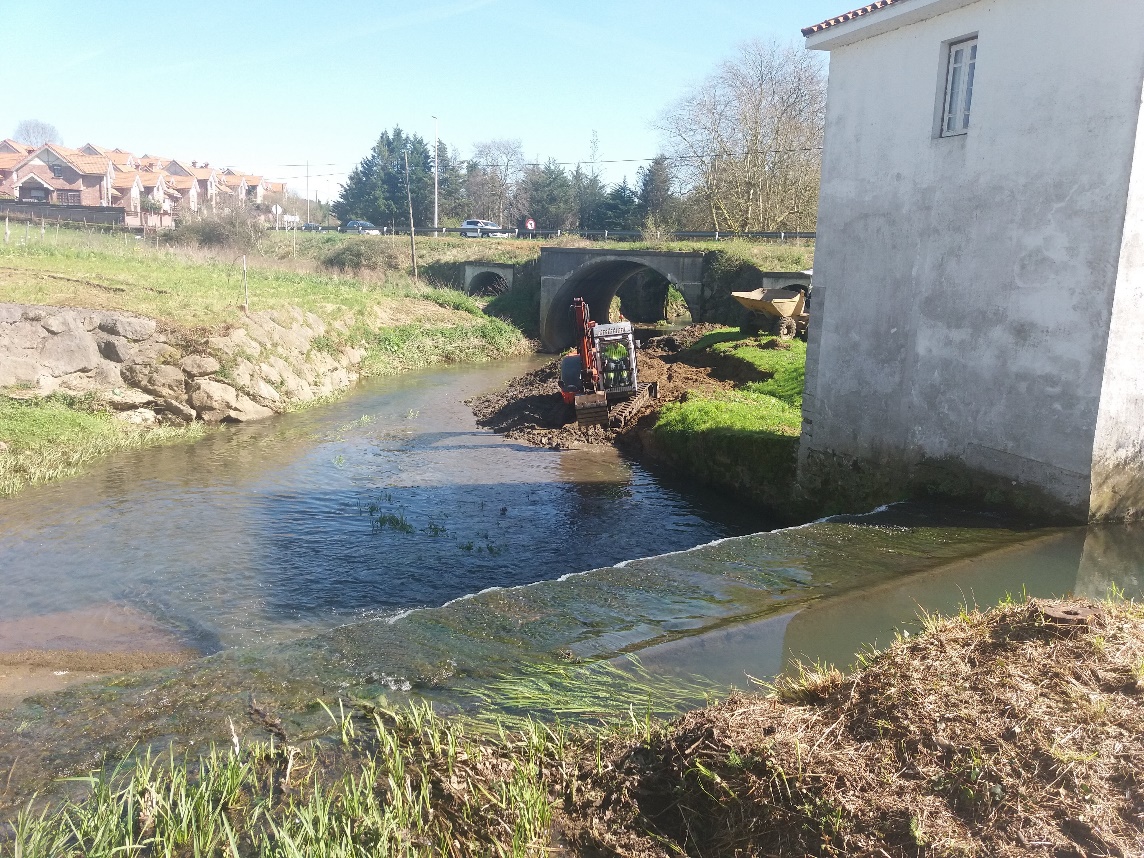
{"x": 601, "y": 380}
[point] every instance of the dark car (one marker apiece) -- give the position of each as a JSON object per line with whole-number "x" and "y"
{"x": 311, "y": 227}
{"x": 360, "y": 227}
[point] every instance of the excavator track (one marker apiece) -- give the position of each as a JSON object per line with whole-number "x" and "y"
{"x": 624, "y": 411}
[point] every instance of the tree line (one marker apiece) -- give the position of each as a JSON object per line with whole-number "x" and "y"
{"x": 741, "y": 152}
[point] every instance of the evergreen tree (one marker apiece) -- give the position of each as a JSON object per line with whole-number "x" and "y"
{"x": 376, "y": 189}
{"x": 546, "y": 193}
{"x": 620, "y": 208}
{"x": 654, "y": 192}
{"x": 453, "y": 204}
{"x": 588, "y": 192}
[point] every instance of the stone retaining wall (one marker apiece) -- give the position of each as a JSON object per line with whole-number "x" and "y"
{"x": 154, "y": 375}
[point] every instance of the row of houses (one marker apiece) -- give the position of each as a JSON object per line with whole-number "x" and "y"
{"x": 95, "y": 176}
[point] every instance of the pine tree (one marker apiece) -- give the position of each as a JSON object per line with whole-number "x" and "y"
{"x": 375, "y": 189}
{"x": 547, "y": 194}
{"x": 654, "y": 192}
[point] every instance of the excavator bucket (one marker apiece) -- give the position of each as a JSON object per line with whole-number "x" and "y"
{"x": 592, "y": 409}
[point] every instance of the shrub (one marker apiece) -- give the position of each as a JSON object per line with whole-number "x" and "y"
{"x": 235, "y": 228}
{"x": 366, "y": 254}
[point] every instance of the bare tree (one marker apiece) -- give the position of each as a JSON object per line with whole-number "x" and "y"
{"x": 748, "y": 140}
{"x": 35, "y": 132}
{"x": 494, "y": 175}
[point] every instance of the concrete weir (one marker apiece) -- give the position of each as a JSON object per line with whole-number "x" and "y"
{"x": 597, "y": 275}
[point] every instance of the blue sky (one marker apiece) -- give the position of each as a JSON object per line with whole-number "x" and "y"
{"x": 265, "y": 85}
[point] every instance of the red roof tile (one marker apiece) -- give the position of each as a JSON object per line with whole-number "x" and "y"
{"x": 850, "y": 16}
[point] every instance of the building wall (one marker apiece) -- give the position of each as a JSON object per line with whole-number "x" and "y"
{"x": 964, "y": 286}
{"x": 1118, "y": 453}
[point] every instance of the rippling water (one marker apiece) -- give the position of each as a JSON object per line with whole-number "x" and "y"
{"x": 383, "y": 545}
{"x": 388, "y": 500}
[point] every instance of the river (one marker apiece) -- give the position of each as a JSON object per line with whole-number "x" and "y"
{"x": 382, "y": 545}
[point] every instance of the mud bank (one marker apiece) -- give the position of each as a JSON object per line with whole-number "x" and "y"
{"x": 693, "y": 369}
{"x": 529, "y": 408}
{"x": 47, "y": 653}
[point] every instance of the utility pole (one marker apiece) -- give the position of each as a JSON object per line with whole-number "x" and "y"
{"x": 307, "y": 190}
{"x": 409, "y": 197}
{"x": 436, "y": 173}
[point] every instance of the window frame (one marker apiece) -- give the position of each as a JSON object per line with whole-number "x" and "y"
{"x": 956, "y": 82}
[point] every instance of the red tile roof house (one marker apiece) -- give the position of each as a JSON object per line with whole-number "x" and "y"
{"x": 120, "y": 160}
{"x": 162, "y": 196}
{"x": 127, "y": 193}
{"x": 187, "y": 188}
{"x": 8, "y": 146}
{"x": 252, "y": 186}
{"x": 206, "y": 178}
{"x": 8, "y": 162}
{"x": 236, "y": 184}
{"x": 62, "y": 176}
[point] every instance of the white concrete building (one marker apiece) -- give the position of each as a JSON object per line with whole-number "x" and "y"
{"x": 979, "y": 288}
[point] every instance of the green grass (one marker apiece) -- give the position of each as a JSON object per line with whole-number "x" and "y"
{"x": 384, "y": 781}
{"x": 58, "y": 436}
{"x": 194, "y": 288}
{"x": 787, "y": 366}
{"x": 744, "y": 439}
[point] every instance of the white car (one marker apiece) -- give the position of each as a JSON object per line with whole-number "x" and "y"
{"x": 482, "y": 228}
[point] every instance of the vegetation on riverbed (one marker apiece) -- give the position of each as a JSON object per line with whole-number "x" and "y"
{"x": 54, "y": 437}
{"x": 1012, "y": 732}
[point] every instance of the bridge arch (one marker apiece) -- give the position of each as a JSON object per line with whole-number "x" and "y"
{"x": 596, "y": 276}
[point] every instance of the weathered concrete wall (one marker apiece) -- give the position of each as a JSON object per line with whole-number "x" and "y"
{"x": 1118, "y": 451}
{"x": 597, "y": 275}
{"x": 964, "y": 286}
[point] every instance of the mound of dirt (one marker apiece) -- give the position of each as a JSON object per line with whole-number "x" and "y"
{"x": 529, "y": 408}
{"x": 1018, "y": 732}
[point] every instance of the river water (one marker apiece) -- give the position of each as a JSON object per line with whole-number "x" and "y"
{"x": 382, "y": 545}
{"x": 388, "y": 500}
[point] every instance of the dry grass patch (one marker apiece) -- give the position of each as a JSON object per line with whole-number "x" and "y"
{"x": 1007, "y": 733}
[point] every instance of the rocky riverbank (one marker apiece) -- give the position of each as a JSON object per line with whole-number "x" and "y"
{"x": 150, "y": 373}
{"x": 78, "y": 383}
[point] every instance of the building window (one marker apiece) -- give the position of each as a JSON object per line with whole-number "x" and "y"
{"x": 962, "y": 64}
{"x": 67, "y": 198}
{"x": 58, "y": 170}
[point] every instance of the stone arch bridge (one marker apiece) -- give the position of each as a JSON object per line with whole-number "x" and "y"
{"x": 597, "y": 275}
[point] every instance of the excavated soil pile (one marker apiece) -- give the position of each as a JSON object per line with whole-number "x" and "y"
{"x": 529, "y": 408}
{"x": 1018, "y": 732}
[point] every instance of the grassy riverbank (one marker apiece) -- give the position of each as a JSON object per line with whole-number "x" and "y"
{"x": 387, "y": 325}
{"x": 1012, "y": 732}
{"x": 51, "y": 438}
{"x": 743, "y": 439}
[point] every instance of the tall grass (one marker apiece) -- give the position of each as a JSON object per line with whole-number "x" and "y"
{"x": 384, "y": 782}
{"x": 58, "y": 436}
